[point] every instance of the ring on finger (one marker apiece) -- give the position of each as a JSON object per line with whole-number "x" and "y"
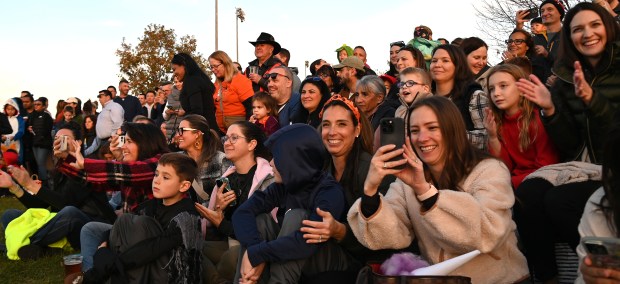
{"x": 320, "y": 238}
{"x": 385, "y": 165}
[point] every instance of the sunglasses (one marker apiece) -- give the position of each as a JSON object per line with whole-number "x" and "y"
{"x": 407, "y": 84}
{"x": 397, "y": 43}
{"x": 313, "y": 79}
{"x": 515, "y": 41}
{"x": 273, "y": 76}
{"x": 180, "y": 130}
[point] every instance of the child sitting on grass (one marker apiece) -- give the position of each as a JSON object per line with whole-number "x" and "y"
{"x": 162, "y": 244}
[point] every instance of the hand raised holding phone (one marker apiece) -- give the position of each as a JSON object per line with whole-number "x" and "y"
{"x": 225, "y": 195}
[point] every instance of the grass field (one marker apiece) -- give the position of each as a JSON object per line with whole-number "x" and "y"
{"x": 45, "y": 270}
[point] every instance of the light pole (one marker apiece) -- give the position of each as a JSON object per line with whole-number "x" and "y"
{"x": 240, "y": 16}
{"x": 216, "y": 25}
{"x": 306, "y": 69}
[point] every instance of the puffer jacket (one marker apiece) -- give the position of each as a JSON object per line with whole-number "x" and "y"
{"x": 576, "y": 127}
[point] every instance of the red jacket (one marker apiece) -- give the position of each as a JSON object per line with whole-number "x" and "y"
{"x": 541, "y": 151}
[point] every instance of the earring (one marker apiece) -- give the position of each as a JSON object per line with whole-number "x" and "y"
{"x": 197, "y": 145}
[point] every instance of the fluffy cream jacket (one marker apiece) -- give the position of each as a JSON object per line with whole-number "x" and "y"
{"x": 460, "y": 221}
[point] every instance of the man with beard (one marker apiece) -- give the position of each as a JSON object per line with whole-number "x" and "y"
{"x": 350, "y": 70}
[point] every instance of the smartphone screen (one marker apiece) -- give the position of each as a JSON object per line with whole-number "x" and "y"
{"x": 604, "y": 252}
{"x": 393, "y": 132}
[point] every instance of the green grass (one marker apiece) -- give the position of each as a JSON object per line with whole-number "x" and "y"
{"x": 45, "y": 270}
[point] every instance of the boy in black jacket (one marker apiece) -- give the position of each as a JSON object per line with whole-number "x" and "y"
{"x": 162, "y": 244}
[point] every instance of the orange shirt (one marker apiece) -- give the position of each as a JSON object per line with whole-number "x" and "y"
{"x": 233, "y": 95}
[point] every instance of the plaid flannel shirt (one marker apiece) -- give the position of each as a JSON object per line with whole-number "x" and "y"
{"x": 134, "y": 180}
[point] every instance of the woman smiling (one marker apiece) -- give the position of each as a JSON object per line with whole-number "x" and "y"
{"x": 314, "y": 94}
{"x": 448, "y": 189}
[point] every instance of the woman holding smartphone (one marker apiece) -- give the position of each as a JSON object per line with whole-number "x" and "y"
{"x": 600, "y": 217}
{"x": 448, "y": 189}
{"x": 244, "y": 147}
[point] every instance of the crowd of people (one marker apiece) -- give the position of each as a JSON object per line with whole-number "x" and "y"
{"x": 259, "y": 176}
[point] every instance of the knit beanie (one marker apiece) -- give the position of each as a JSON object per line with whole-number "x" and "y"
{"x": 558, "y": 5}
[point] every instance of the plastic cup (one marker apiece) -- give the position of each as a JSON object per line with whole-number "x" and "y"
{"x": 72, "y": 263}
{"x": 253, "y": 69}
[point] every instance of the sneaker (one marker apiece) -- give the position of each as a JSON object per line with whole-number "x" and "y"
{"x": 33, "y": 252}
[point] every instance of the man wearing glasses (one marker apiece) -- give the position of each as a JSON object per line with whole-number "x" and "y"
{"x": 111, "y": 116}
{"x": 265, "y": 47}
{"x": 280, "y": 88}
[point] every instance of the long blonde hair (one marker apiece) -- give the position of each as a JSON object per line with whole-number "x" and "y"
{"x": 528, "y": 109}
{"x": 224, "y": 59}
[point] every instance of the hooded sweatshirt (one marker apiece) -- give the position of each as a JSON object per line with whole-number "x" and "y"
{"x": 18, "y": 125}
{"x": 299, "y": 156}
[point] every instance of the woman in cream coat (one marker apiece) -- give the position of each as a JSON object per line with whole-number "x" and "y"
{"x": 471, "y": 212}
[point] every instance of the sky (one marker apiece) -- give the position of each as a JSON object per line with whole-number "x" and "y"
{"x": 61, "y": 49}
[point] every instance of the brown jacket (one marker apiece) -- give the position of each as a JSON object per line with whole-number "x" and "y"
{"x": 459, "y": 222}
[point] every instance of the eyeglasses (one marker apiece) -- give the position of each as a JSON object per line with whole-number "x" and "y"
{"x": 323, "y": 75}
{"x": 233, "y": 139}
{"x": 273, "y": 76}
{"x": 397, "y": 43}
{"x": 407, "y": 84}
{"x": 213, "y": 66}
{"x": 180, "y": 130}
{"x": 515, "y": 41}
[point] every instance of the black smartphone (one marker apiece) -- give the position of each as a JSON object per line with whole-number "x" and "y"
{"x": 393, "y": 132}
{"x": 533, "y": 13}
{"x": 604, "y": 252}
{"x": 224, "y": 180}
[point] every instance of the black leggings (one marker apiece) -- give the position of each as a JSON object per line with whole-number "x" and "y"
{"x": 546, "y": 214}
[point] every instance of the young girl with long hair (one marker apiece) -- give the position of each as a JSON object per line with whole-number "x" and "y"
{"x": 264, "y": 113}
{"x": 516, "y": 134}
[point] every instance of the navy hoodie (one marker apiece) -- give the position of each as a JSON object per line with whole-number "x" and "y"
{"x": 299, "y": 156}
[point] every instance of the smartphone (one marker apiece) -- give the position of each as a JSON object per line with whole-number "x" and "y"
{"x": 393, "y": 132}
{"x": 224, "y": 180}
{"x": 169, "y": 107}
{"x": 121, "y": 141}
{"x": 533, "y": 13}
{"x": 604, "y": 252}
{"x": 64, "y": 144}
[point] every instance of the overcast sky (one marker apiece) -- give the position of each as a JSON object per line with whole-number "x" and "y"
{"x": 61, "y": 49}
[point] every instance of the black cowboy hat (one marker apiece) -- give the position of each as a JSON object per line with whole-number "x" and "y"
{"x": 268, "y": 39}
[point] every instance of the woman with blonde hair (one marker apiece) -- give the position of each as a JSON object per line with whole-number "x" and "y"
{"x": 516, "y": 133}
{"x": 233, "y": 91}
